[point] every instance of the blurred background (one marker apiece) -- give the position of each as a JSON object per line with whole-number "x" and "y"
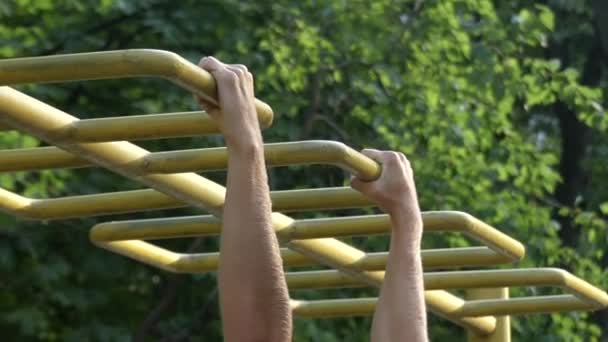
{"x": 498, "y": 104}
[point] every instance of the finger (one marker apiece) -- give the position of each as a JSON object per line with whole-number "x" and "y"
{"x": 244, "y": 70}
{"x": 402, "y": 157}
{"x": 244, "y": 76}
{"x": 226, "y": 80}
{"x": 207, "y": 106}
{"x": 241, "y": 67}
{"x": 391, "y": 157}
{"x": 405, "y": 162}
{"x": 373, "y": 154}
{"x": 211, "y": 64}
{"x": 357, "y": 184}
{"x": 238, "y": 71}
{"x": 383, "y": 157}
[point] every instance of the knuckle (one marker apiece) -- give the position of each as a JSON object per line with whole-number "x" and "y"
{"x": 229, "y": 76}
{"x": 238, "y": 72}
{"x": 391, "y": 156}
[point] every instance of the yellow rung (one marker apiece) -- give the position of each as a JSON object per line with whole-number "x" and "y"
{"x": 150, "y": 199}
{"x": 585, "y": 292}
{"x": 132, "y": 127}
{"x": 117, "y": 64}
{"x": 505, "y": 248}
{"x": 278, "y": 154}
{"x": 471, "y": 308}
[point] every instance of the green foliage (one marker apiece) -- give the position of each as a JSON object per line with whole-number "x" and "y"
{"x": 466, "y": 88}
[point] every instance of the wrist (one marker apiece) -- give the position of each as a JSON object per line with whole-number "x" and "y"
{"x": 405, "y": 213}
{"x": 247, "y": 143}
{"x": 249, "y": 149}
{"x": 407, "y": 228}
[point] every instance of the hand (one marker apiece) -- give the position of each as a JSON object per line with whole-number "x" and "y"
{"x": 394, "y": 191}
{"x": 236, "y": 114}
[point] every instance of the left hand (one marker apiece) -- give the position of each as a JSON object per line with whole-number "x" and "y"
{"x": 236, "y": 114}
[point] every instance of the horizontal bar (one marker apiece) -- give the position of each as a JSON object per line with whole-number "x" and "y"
{"x": 433, "y": 221}
{"x": 524, "y": 306}
{"x": 520, "y": 277}
{"x": 471, "y": 308}
{"x": 132, "y": 127}
{"x": 328, "y": 308}
{"x": 366, "y": 306}
{"x": 440, "y": 258}
{"x": 206, "y": 225}
{"x": 277, "y": 154}
{"x": 445, "y": 221}
{"x": 116, "y": 64}
{"x": 150, "y": 199}
{"x": 467, "y": 280}
{"x": 41, "y": 120}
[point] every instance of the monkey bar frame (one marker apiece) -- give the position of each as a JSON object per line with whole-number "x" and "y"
{"x": 172, "y": 183}
{"x": 46, "y": 122}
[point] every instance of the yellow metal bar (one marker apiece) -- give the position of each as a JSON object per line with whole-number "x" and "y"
{"x": 318, "y": 199}
{"x": 471, "y": 308}
{"x": 132, "y": 127}
{"x": 42, "y": 120}
{"x": 150, "y": 199}
{"x": 314, "y": 228}
{"x": 13, "y": 203}
{"x": 277, "y": 154}
{"x": 339, "y": 308}
{"x": 442, "y": 258}
{"x": 519, "y": 277}
{"x": 39, "y": 158}
{"x": 366, "y": 306}
{"x": 453, "y": 221}
{"x": 469, "y": 280}
{"x": 207, "y": 262}
{"x": 524, "y": 305}
{"x": 503, "y": 323}
{"x": 117, "y": 64}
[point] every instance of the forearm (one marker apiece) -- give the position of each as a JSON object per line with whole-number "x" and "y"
{"x": 401, "y": 312}
{"x": 253, "y": 290}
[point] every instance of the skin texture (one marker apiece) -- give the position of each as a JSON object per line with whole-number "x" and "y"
{"x": 400, "y": 313}
{"x": 254, "y": 298}
{"x": 253, "y": 293}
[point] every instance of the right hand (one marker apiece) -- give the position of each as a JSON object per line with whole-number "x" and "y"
{"x": 236, "y": 114}
{"x": 394, "y": 191}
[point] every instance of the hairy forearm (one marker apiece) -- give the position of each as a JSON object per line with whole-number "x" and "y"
{"x": 401, "y": 312}
{"x": 253, "y": 292}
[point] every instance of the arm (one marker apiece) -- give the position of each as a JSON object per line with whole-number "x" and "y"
{"x": 253, "y": 293}
{"x": 400, "y": 312}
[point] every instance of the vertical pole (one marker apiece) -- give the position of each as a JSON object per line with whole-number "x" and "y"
{"x": 503, "y": 323}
